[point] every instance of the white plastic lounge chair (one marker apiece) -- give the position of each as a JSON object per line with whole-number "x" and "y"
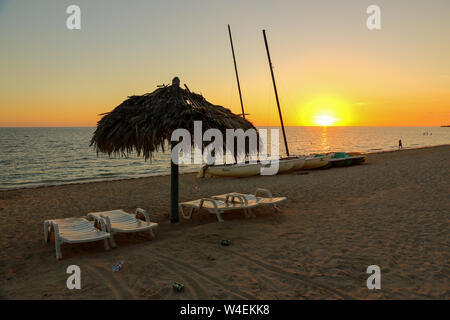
{"x": 253, "y": 200}
{"x": 119, "y": 221}
{"x": 215, "y": 206}
{"x": 74, "y": 230}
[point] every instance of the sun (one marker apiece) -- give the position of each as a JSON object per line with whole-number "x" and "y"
{"x": 324, "y": 120}
{"x": 323, "y": 111}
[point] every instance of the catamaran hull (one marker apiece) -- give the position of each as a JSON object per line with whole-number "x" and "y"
{"x": 248, "y": 170}
{"x": 285, "y": 165}
{"x": 236, "y": 171}
{"x": 291, "y": 164}
{"x": 299, "y": 163}
{"x": 315, "y": 163}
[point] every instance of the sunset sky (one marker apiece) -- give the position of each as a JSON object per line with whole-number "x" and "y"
{"x": 329, "y": 67}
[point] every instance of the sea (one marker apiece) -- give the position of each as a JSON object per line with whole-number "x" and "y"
{"x": 33, "y": 157}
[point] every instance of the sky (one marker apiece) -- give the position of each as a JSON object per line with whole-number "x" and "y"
{"x": 329, "y": 67}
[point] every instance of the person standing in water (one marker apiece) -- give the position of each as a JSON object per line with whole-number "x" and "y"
{"x": 400, "y": 145}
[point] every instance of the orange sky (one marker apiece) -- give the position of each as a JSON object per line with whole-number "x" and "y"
{"x": 326, "y": 62}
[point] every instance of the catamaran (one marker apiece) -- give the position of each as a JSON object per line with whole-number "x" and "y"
{"x": 238, "y": 169}
{"x": 286, "y": 164}
{"x": 299, "y": 162}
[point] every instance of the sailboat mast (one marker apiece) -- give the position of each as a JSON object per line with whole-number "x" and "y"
{"x": 236, "y": 70}
{"x": 276, "y": 93}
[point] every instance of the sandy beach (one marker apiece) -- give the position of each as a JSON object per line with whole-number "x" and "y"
{"x": 392, "y": 212}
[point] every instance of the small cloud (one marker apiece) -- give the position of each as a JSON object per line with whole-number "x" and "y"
{"x": 445, "y": 76}
{"x": 361, "y": 103}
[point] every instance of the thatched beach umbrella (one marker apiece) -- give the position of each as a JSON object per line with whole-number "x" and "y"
{"x": 145, "y": 124}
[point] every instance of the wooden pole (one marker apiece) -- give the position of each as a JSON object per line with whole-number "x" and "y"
{"x": 236, "y": 70}
{"x": 174, "y": 167}
{"x": 276, "y": 93}
{"x": 173, "y": 190}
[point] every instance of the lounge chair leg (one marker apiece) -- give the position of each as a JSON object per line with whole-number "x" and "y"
{"x": 46, "y": 232}
{"x": 113, "y": 243}
{"x": 57, "y": 242}
{"x": 104, "y": 228}
{"x": 277, "y": 211}
{"x": 219, "y": 216}
{"x": 106, "y": 244}
{"x": 106, "y": 224}
{"x": 186, "y": 216}
{"x": 152, "y": 234}
{"x": 189, "y": 214}
{"x": 58, "y": 250}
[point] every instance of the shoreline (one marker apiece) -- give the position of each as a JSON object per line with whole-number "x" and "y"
{"x": 181, "y": 173}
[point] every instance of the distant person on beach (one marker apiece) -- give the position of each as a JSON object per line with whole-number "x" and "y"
{"x": 400, "y": 145}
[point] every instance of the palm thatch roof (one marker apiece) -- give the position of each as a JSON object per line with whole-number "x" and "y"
{"x": 145, "y": 123}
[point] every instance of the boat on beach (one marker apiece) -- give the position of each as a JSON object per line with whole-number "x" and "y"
{"x": 315, "y": 162}
{"x": 339, "y": 159}
{"x": 240, "y": 170}
{"x": 299, "y": 163}
{"x": 291, "y": 164}
{"x": 342, "y": 159}
{"x": 237, "y": 170}
{"x": 357, "y": 158}
{"x": 284, "y": 165}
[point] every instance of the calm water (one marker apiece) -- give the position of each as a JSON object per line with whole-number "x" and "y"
{"x": 46, "y": 156}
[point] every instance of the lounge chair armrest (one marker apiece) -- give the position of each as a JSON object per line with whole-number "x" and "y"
{"x": 107, "y": 222}
{"x": 102, "y": 225}
{"x": 144, "y": 213}
{"x": 208, "y": 200}
{"x": 242, "y": 200}
{"x": 265, "y": 191}
{"x": 90, "y": 218}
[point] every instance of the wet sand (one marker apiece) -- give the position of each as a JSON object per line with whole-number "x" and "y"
{"x": 392, "y": 212}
